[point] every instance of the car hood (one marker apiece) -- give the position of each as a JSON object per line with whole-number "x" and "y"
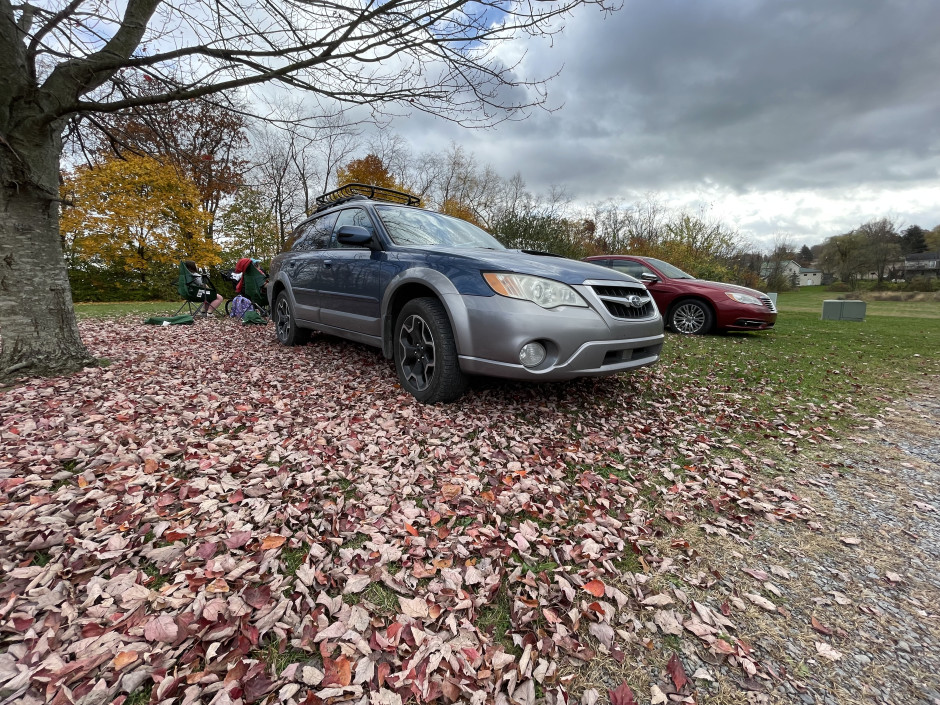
{"x": 568, "y": 271}
{"x": 726, "y": 287}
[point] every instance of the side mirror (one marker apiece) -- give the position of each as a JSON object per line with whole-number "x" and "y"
{"x": 354, "y": 235}
{"x": 649, "y": 278}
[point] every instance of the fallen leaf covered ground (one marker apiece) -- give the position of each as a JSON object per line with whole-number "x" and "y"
{"x": 213, "y": 518}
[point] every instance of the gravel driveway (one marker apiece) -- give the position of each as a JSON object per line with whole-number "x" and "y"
{"x": 858, "y": 616}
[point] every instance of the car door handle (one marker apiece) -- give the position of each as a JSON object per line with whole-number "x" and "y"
{"x": 327, "y": 263}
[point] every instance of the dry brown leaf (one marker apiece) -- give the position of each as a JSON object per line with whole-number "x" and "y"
{"x": 357, "y": 583}
{"x": 416, "y": 608}
{"x": 826, "y": 651}
{"x": 451, "y": 491}
{"x": 124, "y": 658}
{"x": 273, "y": 541}
{"x": 162, "y": 628}
{"x": 761, "y": 602}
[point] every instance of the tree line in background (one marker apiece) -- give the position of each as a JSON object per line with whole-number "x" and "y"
{"x": 198, "y": 180}
{"x": 876, "y": 250}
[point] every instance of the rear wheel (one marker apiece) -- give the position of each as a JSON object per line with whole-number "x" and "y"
{"x": 426, "y": 353}
{"x": 285, "y": 326}
{"x": 691, "y": 317}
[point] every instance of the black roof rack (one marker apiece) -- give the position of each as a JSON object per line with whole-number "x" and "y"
{"x": 355, "y": 192}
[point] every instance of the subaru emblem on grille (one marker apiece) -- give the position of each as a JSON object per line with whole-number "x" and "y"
{"x": 635, "y": 301}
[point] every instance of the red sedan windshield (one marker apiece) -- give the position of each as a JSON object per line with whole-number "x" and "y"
{"x": 668, "y": 269}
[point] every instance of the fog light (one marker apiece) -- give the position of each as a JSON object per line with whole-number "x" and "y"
{"x": 532, "y": 354}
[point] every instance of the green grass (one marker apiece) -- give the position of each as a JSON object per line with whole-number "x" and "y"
{"x": 539, "y": 567}
{"x": 495, "y": 618}
{"x": 41, "y": 558}
{"x": 672, "y": 643}
{"x": 379, "y": 595}
{"x": 806, "y": 360}
{"x": 276, "y": 656}
{"x": 808, "y": 299}
{"x": 292, "y": 558}
{"x": 126, "y": 308}
{"x": 141, "y": 696}
{"x": 357, "y": 541}
{"x": 629, "y": 562}
{"x": 159, "y": 580}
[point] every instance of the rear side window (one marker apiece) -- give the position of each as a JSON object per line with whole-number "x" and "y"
{"x": 634, "y": 269}
{"x": 315, "y": 234}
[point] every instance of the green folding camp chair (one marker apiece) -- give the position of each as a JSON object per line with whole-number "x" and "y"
{"x": 194, "y": 295}
{"x": 254, "y": 281}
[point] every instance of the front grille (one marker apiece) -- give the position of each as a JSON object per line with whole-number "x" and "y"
{"x": 617, "y": 301}
{"x": 768, "y": 302}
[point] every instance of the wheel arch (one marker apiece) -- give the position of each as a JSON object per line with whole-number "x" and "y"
{"x": 415, "y": 284}
{"x": 275, "y": 288}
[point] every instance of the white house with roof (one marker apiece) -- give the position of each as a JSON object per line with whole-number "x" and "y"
{"x": 793, "y": 272}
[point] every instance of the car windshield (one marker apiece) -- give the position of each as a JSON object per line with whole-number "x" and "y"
{"x": 413, "y": 227}
{"x": 668, "y": 269}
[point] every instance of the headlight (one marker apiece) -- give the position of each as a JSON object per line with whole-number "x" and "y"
{"x": 544, "y": 292}
{"x": 744, "y": 298}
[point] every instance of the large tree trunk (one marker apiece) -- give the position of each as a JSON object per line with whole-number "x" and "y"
{"x": 38, "y": 332}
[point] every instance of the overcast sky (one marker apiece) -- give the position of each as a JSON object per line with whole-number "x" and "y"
{"x": 802, "y": 117}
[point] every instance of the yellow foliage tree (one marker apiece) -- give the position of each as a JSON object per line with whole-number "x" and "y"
{"x": 368, "y": 170}
{"x": 460, "y": 210}
{"x": 134, "y": 215}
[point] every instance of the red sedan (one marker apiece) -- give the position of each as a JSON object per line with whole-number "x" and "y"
{"x": 695, "y": 306}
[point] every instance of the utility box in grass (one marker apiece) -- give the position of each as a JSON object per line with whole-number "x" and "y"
{"x": 835, "y": 310}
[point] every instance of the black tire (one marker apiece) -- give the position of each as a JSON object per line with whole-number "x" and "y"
{"x": 285, "y": 325}
{"x": 691, "y": 317}
{"x": 426, "y": 353}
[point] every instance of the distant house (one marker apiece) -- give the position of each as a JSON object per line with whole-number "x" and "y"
{"x": 889, "y": 272}
{"x": 788, "y": 269}
{"x": 810, "y": 277}
{"x": 923, "y": 264}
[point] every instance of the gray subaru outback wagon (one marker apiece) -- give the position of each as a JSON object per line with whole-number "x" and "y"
{"x": 444, "y": 299}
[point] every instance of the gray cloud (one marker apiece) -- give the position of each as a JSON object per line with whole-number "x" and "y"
{"x": 748, "y": 96}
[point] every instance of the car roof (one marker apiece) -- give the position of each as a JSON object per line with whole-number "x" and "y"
{"x": 640, "y": 257}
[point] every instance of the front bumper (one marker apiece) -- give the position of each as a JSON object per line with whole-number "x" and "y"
{"x": 581, "y": 342}
{"x": 746, "y": 318}
{"x": 751, "y": 323}
{"x": 733, "y": 315}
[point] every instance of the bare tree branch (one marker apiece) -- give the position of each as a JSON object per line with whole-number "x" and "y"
{"x": 436, "y": 57}
{"x": 49, "y": 26}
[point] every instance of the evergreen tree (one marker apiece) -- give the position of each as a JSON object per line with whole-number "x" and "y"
{"x": 913, "y": 240}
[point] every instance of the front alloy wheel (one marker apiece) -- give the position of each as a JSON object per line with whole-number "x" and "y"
{"x": 426, "y": 353}
{"x": 417, "y": 352}
{"x": 691, "y": 318}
